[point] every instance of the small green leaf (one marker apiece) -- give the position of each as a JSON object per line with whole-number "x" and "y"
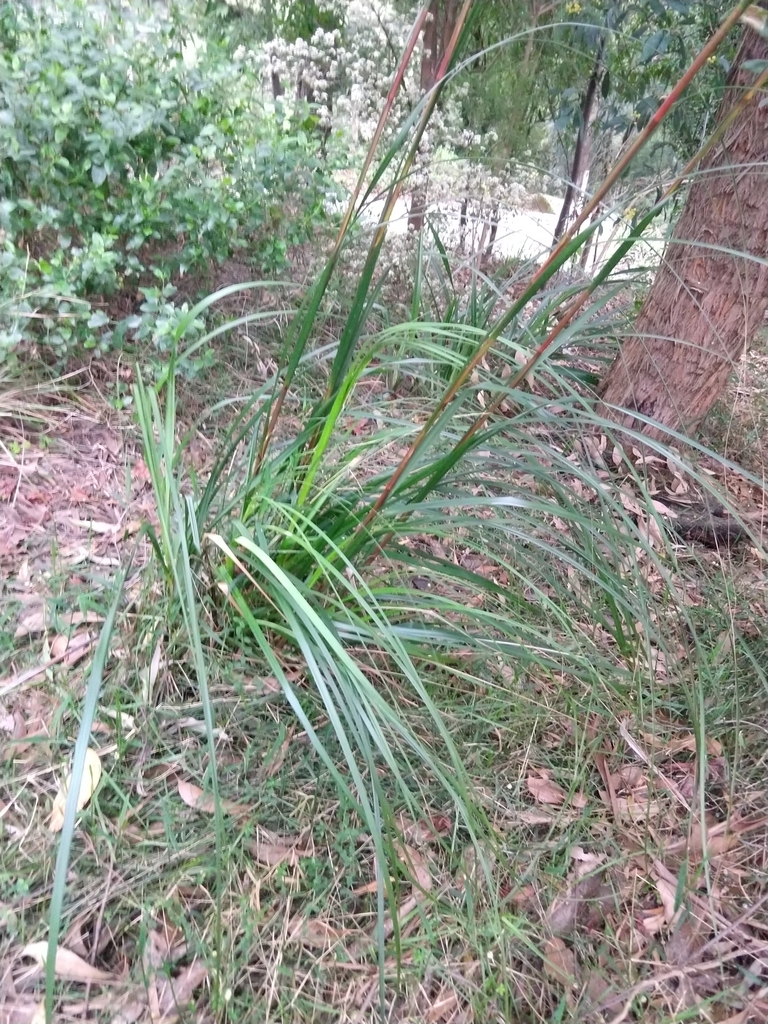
{"x": 654, "y": 46}
{"x": 757, "y": 66}
{"x": 98, "y": 318}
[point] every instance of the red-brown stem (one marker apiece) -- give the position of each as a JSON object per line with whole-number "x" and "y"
{"x": 397, "y": 81}
{"x": 394, "y": 192}
{"x": 745, "y": 99}
{"x": 727, "y": 24}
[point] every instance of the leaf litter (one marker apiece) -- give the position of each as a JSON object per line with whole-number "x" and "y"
{"x": 68, "y": 965}
{"x": 88, "y": 785}
{"x": 663, "y": 900}
{"x": 600, "y": 896}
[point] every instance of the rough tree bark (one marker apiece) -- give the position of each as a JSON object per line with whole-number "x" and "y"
{"x": 438, "y": 30}
{"x": 706, "y": 304}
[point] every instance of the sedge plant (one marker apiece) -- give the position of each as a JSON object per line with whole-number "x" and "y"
{"x": 303, "y": 539}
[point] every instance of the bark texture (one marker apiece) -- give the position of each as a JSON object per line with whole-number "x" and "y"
{"x": 705, "y": 305}
{"x": 438, "y": 30}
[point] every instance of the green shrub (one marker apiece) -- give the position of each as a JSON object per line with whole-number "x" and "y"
{"x": 133, "y": 153}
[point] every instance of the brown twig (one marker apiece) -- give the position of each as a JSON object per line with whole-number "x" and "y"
{"x": 676, "y": 972}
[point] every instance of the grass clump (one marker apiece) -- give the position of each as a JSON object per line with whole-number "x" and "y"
{"x": 418, "y": 706}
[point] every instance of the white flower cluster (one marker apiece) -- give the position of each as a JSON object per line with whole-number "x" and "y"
{"x": 347, "y": 73}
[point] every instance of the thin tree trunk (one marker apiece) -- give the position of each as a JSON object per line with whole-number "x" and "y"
{"x": 581, "y": 149}
{"x": 602, "y": 162}
{"x": 536, "y": 13}
{"x": 706, "y": 303}
{"x": 463, "y": 223}
{"x": 438, "y": 30}
{"x": 488, "y": 250}
{"x": 269, "y": 31}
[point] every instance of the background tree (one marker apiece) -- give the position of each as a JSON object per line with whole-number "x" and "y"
{"x": 711, "y": 292}
{"x": 581, "y": 150}
{"x": 438, "y": 30}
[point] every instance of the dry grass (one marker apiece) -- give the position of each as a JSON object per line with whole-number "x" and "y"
{"x": 625, "y": 877}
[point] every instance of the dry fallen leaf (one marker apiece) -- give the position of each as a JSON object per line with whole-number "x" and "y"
{"x": 689, "y": 937}
{"x": 22, "y": 1011}
{"x": 39, "y": 1017}
{"x": 442, "y": 1006}
{"x": 545, "y": 790}
{"x": 668, "y": 748}
{"x": 88, "y": 784}
{"x": 638, "y": 810}
{"x": 33, "y": 622}
{"x": 69, "y": 965}
{"x": 560, "y": 963}
{"x": 590, "y": 896}
{"x": 426, "y": 830}
{"x": 94, "y": 525}
{"x": 130, "y": 1012}
{"x": 598, "y": 989}
{"x": 314, "y": 932}
{"x": 667, "y": 894}
{"x": 415, "y": 864}
{"x": 166, "y": 946}
{"x": 59, "y": 645}
{"x": 81, "y": 643}
{"x": 127, "y": 722}
{"x": 271, "y": 854}
{"x": 175, "y": 993}
{"x": 629, "y": 777}
{"x": 38, "y": 620}
{"x": 70, "y": 649}
{"x": 269, "y": 684}
{"x": 194, "y": 797}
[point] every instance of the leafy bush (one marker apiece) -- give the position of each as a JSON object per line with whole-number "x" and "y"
{"x": 132, "y": 153}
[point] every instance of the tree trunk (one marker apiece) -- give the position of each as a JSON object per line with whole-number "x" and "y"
{"x": 581, "y": 149}
{"x": 438, "y": 30}
{"x": 488, "y": 249}
{"x": 463, "y": 223}
{"x": 706, "y": 304}
{"x": 602, "y": 164}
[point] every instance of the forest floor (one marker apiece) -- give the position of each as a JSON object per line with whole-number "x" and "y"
{"x": 627, "y": 875}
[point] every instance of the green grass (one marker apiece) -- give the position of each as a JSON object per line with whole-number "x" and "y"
{"x": 146, "y": 864}
{"x": 541, "y": 621}
{"x": 415, "y": 707}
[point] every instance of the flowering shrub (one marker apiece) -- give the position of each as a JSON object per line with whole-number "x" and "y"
{"x": 132, "y": 154}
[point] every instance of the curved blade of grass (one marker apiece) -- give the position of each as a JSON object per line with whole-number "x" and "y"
{"x": 161, "y": 457}
{"x": 626, "y": 246}
{"x": 355, "y": 320}
{"x": 320, "y": 447}
{"x": 90, "y": 702}
{"x": 569, "y": 244}
{"x": 298, "y": 617}
{"x": 188, "y": 318}
{"x": 306, "y": 316}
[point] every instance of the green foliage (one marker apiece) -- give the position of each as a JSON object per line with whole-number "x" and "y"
{"x": 271, "y": 549}
{"x": 133, "y": 153}
{"x": 537, "y": 79}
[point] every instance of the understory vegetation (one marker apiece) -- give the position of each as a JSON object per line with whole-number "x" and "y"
{"x": 362, "y": 661}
